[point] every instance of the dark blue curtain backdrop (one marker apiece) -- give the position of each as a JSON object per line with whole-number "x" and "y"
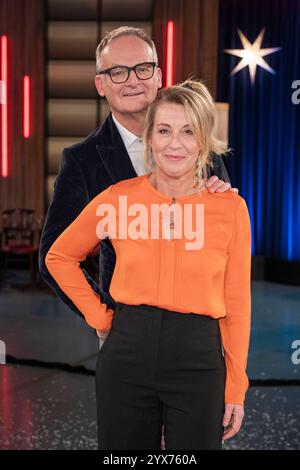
{"x": 264, "y": 129}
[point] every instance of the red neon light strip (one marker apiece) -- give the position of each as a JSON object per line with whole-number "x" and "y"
{"x": 170, "y": 53}
{"x": 4, "y": 118}
{"x": 26, "y": 106}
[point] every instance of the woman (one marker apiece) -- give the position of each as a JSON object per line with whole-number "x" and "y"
{"x": 177, "y": 343}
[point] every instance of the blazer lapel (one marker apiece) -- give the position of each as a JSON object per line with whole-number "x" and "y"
{"x": 113, "y": 153}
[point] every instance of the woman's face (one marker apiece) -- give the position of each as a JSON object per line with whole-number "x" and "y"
{"x": 174, "y": 147}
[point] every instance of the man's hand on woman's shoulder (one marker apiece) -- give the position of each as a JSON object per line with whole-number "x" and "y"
{"x": 215, "y": 185}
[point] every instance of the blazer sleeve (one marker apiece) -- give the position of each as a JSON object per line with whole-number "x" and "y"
{"x": 235, "y": 326}
{"x": 69, "y": 198}
{"x": 69, "y": 250}
{"x": 219, "y": 169}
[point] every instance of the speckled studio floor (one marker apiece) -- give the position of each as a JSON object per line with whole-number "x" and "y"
{"x": 43, "y": 408}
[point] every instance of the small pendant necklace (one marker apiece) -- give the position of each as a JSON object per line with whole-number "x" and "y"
{"x": 172, "y": 225}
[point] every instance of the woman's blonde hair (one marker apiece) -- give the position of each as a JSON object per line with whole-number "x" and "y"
{"x": 200, "y": 109}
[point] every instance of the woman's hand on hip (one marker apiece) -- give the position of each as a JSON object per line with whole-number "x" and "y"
{"x": 232, "y": 421}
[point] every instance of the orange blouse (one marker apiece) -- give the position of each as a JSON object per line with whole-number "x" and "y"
{"x": 212, "y": 278}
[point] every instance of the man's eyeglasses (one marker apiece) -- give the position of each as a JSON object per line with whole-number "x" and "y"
{"x": 120, "y": 73}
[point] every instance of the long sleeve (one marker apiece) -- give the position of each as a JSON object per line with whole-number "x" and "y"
{"x": 235, "y": 327}
{"x": 63, "y": 263}
{"x": 69, "y": 198}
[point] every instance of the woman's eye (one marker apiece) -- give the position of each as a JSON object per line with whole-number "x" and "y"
{"x": 189, "y": 131}
{"x": 163, "y": 131}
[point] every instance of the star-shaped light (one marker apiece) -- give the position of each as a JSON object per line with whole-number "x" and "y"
{"x": 252, "y": 55}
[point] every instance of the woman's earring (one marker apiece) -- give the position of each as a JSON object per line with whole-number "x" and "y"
{"x": 150, "y": 157}
{"x": 198, "y": 173}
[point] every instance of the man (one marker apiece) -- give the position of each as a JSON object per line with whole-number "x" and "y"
{"x": 114, "y": 151}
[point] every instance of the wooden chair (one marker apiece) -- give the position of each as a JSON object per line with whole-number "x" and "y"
{"x": 19, "y": 238}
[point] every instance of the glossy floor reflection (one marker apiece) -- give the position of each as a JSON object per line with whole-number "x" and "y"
{"x": 44, "y": 408}
{"x": 35, "y": 324}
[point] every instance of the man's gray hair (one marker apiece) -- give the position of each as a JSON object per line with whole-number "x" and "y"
{"x": 119, "y": 32}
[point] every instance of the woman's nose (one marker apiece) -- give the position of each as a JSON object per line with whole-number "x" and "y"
{"x": 175, "y": 142}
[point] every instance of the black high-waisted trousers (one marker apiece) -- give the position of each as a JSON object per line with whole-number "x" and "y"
{"x": 159, "y": 367}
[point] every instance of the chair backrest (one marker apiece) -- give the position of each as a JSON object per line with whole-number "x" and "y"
{"x": 18, "y": 227}
{"x": 18, "y": 218}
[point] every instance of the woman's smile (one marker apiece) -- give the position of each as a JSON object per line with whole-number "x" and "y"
{"x": 175, "y": 158}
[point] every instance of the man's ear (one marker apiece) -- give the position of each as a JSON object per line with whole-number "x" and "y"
{"x": 98, "y": 85}
{"x": 159, "y": 77}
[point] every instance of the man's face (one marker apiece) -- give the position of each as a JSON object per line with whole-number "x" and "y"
{"x": 134, "y": 95}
